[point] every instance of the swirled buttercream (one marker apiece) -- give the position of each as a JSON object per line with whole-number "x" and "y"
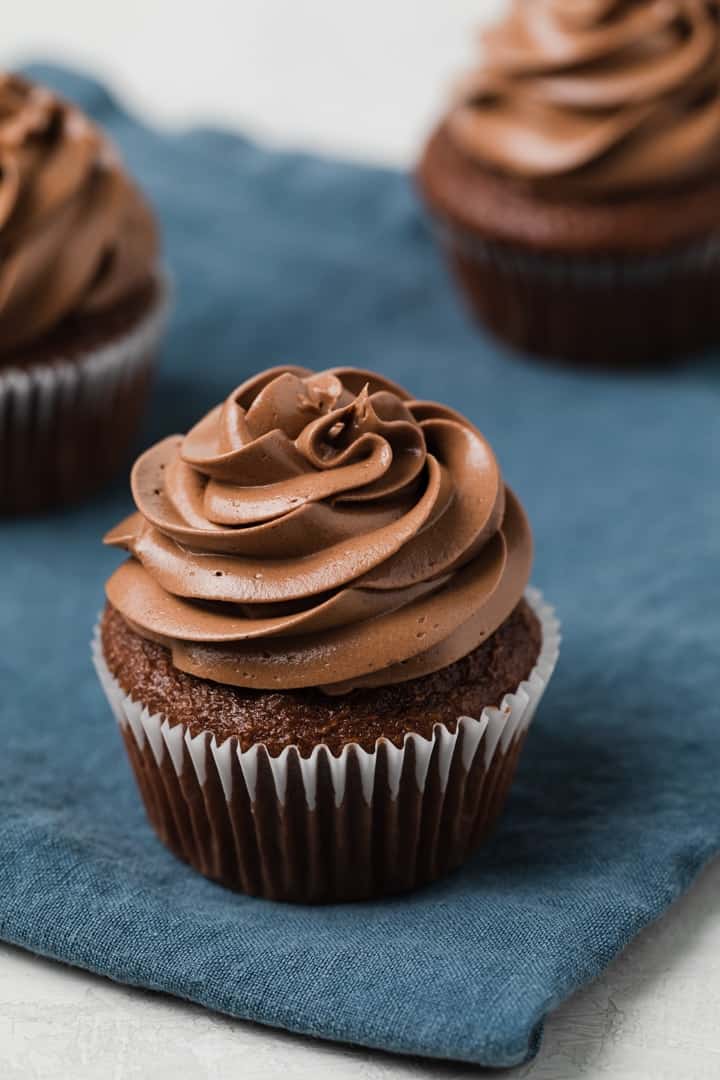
{"x": 76, "y": 235}
{"x": 320, "y": 530}
{"x": 596, "y": 97}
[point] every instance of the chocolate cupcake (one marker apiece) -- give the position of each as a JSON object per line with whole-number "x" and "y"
{"x": 321, "y": 652}
{"x": 82, "y": 301}
{"x": 576, "y": 179}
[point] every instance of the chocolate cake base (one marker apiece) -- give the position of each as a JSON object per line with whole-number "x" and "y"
{"x": 71, "y": 403}
{"x": 78, "y": 335}
{"x": 617, "y": 284}
{"x": 355, "y": 819}
{"x": 304, "y": 718}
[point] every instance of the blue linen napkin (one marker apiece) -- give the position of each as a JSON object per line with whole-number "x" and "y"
{"x": 284, "y": 257}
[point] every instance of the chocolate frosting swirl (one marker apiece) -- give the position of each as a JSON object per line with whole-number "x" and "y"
{"x": 75, "y": 233}
{"x": 320, "y": 530}
{"x": 596, "y": 97}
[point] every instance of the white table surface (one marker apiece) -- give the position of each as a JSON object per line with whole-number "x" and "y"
{"x": 363, "y": 80}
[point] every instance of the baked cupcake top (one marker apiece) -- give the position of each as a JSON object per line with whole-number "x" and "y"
{"x": 591, "y": 98}
{"x": 76, "y": 235}
{"x": 320, "y": 530}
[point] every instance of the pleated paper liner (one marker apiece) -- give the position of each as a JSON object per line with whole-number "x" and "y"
{"x": 330, "y": 828}
{"x": 624, "y": 312}
{"x": 66, "y": 425}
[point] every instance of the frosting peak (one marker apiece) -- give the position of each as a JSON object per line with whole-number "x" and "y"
{"x": 75, "y": 233}
{"x": 596, "y": 97}
{"x": 320, "y": 530}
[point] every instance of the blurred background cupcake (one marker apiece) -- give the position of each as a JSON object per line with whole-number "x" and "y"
{"x": 320, "y": 652}
{"x": 575, "y": 179}
{"x": 82, "y": 301}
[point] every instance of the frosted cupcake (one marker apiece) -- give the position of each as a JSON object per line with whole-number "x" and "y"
{"x": 576, "y": 179}
{"x": 82, "y": 301}
{"x": 321, "y": 651}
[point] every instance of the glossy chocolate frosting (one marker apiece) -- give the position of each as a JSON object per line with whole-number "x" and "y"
{"x": 320, "y": 530}
{"x": 593, "y": 98}
{"x": 75, "y": 234}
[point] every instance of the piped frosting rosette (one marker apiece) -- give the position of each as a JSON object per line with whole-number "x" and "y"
{"x": 596, "y": 96}
{"x": 77, "y": 236}
{"x": 320, "y": 530}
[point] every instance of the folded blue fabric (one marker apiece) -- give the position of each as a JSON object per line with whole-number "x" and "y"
{"x": 283, "y": 257}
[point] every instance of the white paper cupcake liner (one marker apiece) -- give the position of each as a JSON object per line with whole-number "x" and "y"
{"x": 65, "y": 425}
{"x": 328, "y": 827}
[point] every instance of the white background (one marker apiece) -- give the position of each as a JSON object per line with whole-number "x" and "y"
{"x": 362, "y": 80}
